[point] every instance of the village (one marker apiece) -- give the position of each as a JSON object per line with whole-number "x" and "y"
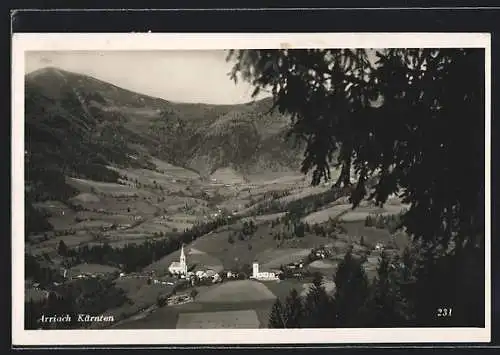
{"x": 181, "y": 279}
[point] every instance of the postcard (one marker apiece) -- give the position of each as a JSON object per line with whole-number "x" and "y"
{"x": 251, "y": 188}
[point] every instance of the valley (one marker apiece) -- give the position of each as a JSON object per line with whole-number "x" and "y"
{"x": 117, "y": 182}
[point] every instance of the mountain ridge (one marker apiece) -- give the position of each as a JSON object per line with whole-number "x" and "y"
{"x": 77, "y": 125}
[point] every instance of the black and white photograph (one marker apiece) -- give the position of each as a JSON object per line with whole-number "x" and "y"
{"x": 336, "y": 187}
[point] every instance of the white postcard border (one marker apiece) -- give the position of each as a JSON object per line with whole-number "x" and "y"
{"x": 22, "y": 42}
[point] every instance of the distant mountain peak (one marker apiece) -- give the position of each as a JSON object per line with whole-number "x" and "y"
{"x": 104, "y": 123}
{"x": 46, "y": 70}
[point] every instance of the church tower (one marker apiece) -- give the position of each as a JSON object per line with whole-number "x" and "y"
{"x": 182, "y": 260}
{"x": 255, "y": 270}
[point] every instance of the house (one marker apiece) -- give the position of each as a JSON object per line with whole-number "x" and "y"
{"x": 210, "y": 273}
{"x": 320, "y": 253}
{"x": 201, "y": 274}
{"x": 262, "y": 275}
{"x": 379, "y": 246}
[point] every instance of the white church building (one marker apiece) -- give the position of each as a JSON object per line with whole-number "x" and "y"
{"x": 179, "y": 267}
{"x": 262, "y": 275}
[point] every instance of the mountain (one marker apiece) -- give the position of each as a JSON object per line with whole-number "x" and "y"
{"x": 78, "y": 126}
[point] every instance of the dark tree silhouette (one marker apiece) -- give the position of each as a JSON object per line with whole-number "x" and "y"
{"x": 62, "y": 249}
{"x": 387, "y": 306}
{"x": 294, "y": 310}
{"x": 317, "y": 305}
{"x": 410, "y": 120}
{"x": 277, "y": 318}
{"x": 351, "y": 293}
{"x": 341, "y": 103}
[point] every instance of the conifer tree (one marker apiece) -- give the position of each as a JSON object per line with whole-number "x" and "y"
{"x": 386, "y": 305}
{"x": 277, "y": 318}
{"x": 351, "y": 293}
{"x": 317, "y": 305}
{"x": 294, "y": 310}
{"x": 62, "y": 249}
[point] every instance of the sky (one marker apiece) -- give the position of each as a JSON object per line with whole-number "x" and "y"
{"x": 199, "y": 76}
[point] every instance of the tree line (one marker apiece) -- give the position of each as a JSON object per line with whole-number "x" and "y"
{"x": 398, "y": 296}
{"x": 134, "y": 257}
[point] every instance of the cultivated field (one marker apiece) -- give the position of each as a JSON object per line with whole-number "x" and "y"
{"x": 325, "y": 214}
{"x": 240, "y": 291}
{"x": 92, "y": 268}
{"x": 374, "y": 235}
{"x": 245, "y": 319}
{"x": 360, "y": 214}
{"x": 325, "y": 266}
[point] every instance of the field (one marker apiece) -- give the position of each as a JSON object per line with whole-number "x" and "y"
{"x": 325, "y": 214}
{"x": 324, "y": 266}
{"x": 246, "y": 319}
{"x": 274, "y": 258}
{"x": 92, "y": 268}
{"x": 244, "y": 304}
{"x": 167, "y": 317}
{"x": 360, "y": 214}
{"x": 261, "y": 246}
{"x": 282, "y": 288}
{"x": 373, "y": 235}
{"x": 240, "y": 291}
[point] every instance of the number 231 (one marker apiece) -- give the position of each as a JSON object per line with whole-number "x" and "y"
{"x": 444, "y": 312}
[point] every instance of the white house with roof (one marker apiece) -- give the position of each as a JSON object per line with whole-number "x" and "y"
{"x": 262, "y": 275}
{"x": 179, "y": 267}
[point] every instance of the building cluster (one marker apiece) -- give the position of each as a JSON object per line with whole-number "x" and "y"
{"x": 320, "y": 253}
{"x": 294, "y": 266}
{"x": 379, "y": 247}
{"x": 180, "y": 269}
{"x": 257, "y": 274}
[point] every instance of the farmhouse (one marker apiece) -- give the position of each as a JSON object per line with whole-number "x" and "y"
{"x": 379, "y": 246}
{"x": 262, "y": 275}
{"x": 180, "y": 267}
{"x": 320, "y": 253}
{"x": 297, "y": 265}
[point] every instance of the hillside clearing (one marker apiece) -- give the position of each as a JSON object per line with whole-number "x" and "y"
{"x": 274, "y": 258}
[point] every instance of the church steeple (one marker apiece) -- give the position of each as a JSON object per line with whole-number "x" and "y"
{"x": 183, "y": 256}
{"x": 182, "y": 260}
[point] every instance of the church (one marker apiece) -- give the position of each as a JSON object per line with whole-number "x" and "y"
{"x": 262, "y": 275}
{"x": 180, "y": 267}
